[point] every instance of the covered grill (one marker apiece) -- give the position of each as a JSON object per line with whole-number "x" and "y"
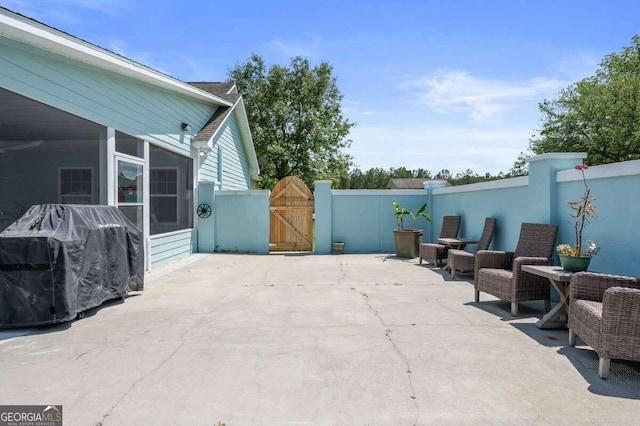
{"x": 59, "y": 260}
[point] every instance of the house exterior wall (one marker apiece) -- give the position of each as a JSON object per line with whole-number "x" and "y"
{"x": 226, "y": 164}
{"x": 103, "y": 97}
{"x": 136, "y": 108}
{"x": 225, "y": 168}
{"x": 170, "y": 246}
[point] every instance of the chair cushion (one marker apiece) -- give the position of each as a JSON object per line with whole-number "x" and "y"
{"x": 497, "y": 274}
{"x": 497, "y": 282}
{"x": 461, "y": 260}
{"x": 585, "y": 318}
{"x": 432, "y": 251}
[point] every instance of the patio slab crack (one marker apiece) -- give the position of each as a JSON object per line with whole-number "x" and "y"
{"x": 134, "y": 384}
{"x": 388, "y": 331}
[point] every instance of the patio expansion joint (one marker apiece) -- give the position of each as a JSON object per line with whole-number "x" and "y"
{"x": 140, "y": 379}
{"x": 404, "y": 359}
{"x": 343, "y": 274}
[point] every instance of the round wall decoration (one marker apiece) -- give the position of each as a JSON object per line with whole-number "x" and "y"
{"x": 204, "y": 210}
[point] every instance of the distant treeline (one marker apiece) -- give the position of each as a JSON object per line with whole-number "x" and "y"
{"x": 378, "y": 178}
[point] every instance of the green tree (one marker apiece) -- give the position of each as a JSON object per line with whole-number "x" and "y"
{"x": 599, "y": 115}
{"x": 295, "y": 118}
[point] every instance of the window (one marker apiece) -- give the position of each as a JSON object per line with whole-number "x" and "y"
{"x": 170, "y": 191}
{"x": 76, "y": 185}
{"x": 164, "y": 194}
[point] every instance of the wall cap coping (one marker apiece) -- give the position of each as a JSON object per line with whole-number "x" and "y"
{"x": 485, "y": 186}
{"x": 625, "y": 168}
{"x": 378, "y": 192}
{"x": 249, "y": 192}
{"x": 557, "y": 156}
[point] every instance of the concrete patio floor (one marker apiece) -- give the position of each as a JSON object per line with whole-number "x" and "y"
{"x": 226, "y": 339}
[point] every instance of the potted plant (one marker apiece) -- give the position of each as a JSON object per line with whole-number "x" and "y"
{"x": 408, "y": 240}
{"x": 577, "y": 258}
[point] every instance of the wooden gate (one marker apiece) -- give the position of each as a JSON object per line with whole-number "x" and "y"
{"x": 291, "y": 218}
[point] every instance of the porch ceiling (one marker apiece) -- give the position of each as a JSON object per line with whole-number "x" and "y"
{"x": 24, "y": 119}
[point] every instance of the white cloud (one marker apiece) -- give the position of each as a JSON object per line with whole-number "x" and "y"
{"x": 437, "y": 147}
{"x": 55, "y": 12}
{"x": 306, "y": 48}
{"x": 109, "y": 7}
{"x": 460, "y": 92}
{"x": 355, "y": 108}
{"x": 148, "y": 59}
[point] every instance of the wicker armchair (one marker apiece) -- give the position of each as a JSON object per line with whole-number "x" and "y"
{"x": 500, "y": 273}
{"x": 604, "y": 312}
{"x": 461, "y": 260}
{"x": 434, "y": 253}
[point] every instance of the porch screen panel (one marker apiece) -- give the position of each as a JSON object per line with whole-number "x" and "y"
{"x": 170, "y": 191}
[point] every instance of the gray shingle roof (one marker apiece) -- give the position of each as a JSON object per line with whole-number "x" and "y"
{"x": 222, "y": 89}
{"x": 225, "y": 90}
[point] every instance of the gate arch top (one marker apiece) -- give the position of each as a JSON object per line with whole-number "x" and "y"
{"x": 291, "y": 216}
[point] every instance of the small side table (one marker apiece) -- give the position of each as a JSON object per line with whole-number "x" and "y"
{"x": 456, "y": 243}
{"x": 560, "y": 279}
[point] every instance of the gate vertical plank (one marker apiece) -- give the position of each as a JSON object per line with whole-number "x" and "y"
{"x": 291, "y": 221}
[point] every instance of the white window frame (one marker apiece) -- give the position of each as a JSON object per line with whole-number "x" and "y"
{"x": 74, "y": 196}
{"x": 176, "y": 196}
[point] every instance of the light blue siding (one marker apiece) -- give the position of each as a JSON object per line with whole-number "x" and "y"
{"x": 227, "y": 162}
{"x": 170, "y": 247}
{"x": 106, "y": 98}
{"x": 146, "y": 112}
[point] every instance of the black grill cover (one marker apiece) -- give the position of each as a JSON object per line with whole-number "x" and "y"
{"x": 58, "y": 260}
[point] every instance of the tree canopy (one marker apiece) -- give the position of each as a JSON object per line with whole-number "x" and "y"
{"x": 599, "y": 115}
{"x": 295, "y": 118}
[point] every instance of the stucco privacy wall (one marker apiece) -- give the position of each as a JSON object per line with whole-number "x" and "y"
{"x": 505, "y": 200}
{"x": 364, "y": 219}
{"x": 615, "y": 186}
{"x": 241, "y": 220}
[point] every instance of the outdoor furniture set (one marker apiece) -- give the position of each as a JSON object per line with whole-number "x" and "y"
{"x": 603, "y": 310}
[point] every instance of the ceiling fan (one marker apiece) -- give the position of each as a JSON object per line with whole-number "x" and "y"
{"x": 16, "y": 145}
{"x": 24, "y": 145}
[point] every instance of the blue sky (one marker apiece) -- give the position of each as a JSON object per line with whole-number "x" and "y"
{"x": 431, "y": 84}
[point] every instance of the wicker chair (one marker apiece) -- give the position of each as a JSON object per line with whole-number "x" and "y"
{"x": 436, "y": 252}
{"x": 465, "y": 261}
{"x": 605, "y": 313}
{"x": 499, "y": 273}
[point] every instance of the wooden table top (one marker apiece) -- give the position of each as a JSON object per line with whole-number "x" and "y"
{"x": 455, "y": 241}
{"x": 555, "y": 273}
